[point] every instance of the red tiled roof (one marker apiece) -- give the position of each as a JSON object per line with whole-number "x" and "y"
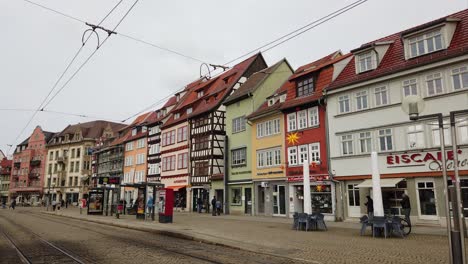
{"x": 171, "y": 101}
{"x": 394, "y": 59}
{"x": 324, "y": 69}
{"x": 141, "y": 119}
{"x": 215, "y": 90}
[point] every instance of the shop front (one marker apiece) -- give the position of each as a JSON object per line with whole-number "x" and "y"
{"x": 241, "y": 196}
{"x": 322, "y": 192}
{"x": 179, "y": 185}
{"x": 271, "y": 197}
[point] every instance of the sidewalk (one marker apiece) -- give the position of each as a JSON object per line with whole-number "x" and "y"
{"x": 341, "y": 243}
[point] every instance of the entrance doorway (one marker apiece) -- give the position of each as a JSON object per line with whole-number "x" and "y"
{"x": 248, "y": 201}
{"x": 279, "y": 202}
{"x": 220, "y": 197}
{"x": 354, "y": 204}
{"x": 261, "y": 200}
{"x": 203, "y": 194}
{"x": 426, "y": 200}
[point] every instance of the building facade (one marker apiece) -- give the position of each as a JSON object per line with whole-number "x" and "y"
{"x": 69, "y": 159}
{"x": 154, "y": 149}
{"x": 28, "y": 173}
{"x": 5, "y": 174}
{"x": 241, "y": 154}
{"x": 365, "y": 114}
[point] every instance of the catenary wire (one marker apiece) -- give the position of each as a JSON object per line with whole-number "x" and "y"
{"x": 55, "y": 112}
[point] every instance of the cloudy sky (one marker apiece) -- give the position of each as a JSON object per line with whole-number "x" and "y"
{"x": 125, "y": 76}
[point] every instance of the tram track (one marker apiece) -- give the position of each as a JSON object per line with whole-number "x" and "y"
{"x": 48, "y": 251}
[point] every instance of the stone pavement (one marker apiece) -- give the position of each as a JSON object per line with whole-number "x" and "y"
{"x": 340, "y": 244}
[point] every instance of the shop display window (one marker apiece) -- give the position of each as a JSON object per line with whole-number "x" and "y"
{"x": 236, "y": 196}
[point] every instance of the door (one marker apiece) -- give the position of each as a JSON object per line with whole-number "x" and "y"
{"x": 220, "y": 197}
{"x": 354, "y": 203}
{"x": 426, "y": 200}
{"x": 279, "y": 200}
{"x": 261, "y": 200}
{"x": 248, "y": 201}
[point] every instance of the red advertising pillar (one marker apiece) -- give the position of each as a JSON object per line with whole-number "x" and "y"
{"x": 166, "y": 205}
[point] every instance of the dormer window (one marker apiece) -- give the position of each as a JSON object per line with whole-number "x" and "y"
{"x": 271, "y": 102}
{"x": 366, "y": 61}
{"x": 305, "y": 87}
{"x": 425, "y": 43}
{"x": 159, "y": 114}
{"x": 189, "y": 110}
{"x": 176, "y": 116}
{"x": 177, "y": 97}
{"x": 282, "y": 98}
{"x": 134, "y": 132}
{"x": 200, "y": 94}
{"x": 144, "y": 129}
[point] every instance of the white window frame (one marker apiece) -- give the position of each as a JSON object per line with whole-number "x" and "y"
{"x": 301, "y": 119}
{"x": 239, "y": 156}
{"x": 368, "y": 60}
{"x": 433, "y": 79}
{"x": 314, "y": 152}
{"x": 260, "y": 130}
{"x": 141, "y": 143}
{"x": 313, "y": 114}
{"x": 292, "y": 121}
{"x": 424, "y": 39}
{"x": 408, "y": 89}
{"x": 462, "y": 131}
{"x": 381, "y": 95}
{"x": 238, "y": 124}
{"x": 459, "y": 72}
{"x": 416, "y": 137}
{"x": 302, "y": 154}
{"x": 385, "y": 135}
{"x": 129, "y": 146}
{"x": 362, "y": 100}
{"x": 365, "y": 140}
{"x": 435, "y": 133}
{"x": 292, "y": 156}
{"x": 347, "y": 144}
{"x": 343, "y": 101}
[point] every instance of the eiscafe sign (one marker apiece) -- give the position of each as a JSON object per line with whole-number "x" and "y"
{"x": 431, "y": 160}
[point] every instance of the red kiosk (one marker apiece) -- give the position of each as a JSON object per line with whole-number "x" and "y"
{"x": 166, "y": 205}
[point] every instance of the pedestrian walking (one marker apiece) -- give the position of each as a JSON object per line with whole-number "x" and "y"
{"x": 199, "y": 204}
{"x": 370, "y": 206}
{"x": 406, "y": 207}
{"x": 62, "y": 203}
{"x": 13, "y": 204}
{"x": 149, "y": 205}
{"x": 213, "y": 205}
{"x": 67, "y": 202}
{"x": 54, "y": 205}
{"x": 218, "y": 207}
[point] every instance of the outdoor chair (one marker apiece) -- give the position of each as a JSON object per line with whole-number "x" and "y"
{"x": 302, "y": 219}
{"x": 320, "y": 221}
{"x": 365, "y": 221}
{"x": 379, "y": 222}
{"x": 396, "y": 226}
{"x": 295, "y": 219}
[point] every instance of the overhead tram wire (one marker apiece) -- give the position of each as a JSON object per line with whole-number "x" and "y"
{"x": 66, "y": 68}
{"x": 307, "y": 27}
{"x": 56, "y": 112}
{"x": 122, "y": 34}
{"x": 90, "y": 56}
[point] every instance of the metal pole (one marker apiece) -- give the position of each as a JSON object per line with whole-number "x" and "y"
{"x": 457, "y": 201}
{"x": 444, "y": 175}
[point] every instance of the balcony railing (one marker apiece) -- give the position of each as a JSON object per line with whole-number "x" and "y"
{"x": 35, "y": 162}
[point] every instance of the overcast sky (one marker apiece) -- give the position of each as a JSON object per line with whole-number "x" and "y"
{"x": 125, "y": 76}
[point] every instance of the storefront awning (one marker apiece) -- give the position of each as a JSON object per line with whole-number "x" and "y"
{"x": 392, "y": 182}
{"x": 176, "y": 188}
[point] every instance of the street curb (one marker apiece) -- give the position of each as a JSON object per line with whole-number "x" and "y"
{"x": 179, "y": 235}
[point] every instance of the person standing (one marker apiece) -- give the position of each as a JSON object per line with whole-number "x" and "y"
{"x": 199, "y": 204}
{"x": 54, "y": 204}
{"x": 370, "y": 206}
{"x": 218, "y": 207}
{"x": 149, "y": 205}
{"x": 13, "y": 204}
{"x": 406, "y": 207}
{"x": 213, "y": 205}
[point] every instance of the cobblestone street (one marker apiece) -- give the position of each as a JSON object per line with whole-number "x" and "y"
{"x": 271, "y": 237}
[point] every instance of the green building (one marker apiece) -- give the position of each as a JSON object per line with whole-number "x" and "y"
{"x": 242, "y": 102}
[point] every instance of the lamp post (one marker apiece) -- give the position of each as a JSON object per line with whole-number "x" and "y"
{"x": 413, "y": 106}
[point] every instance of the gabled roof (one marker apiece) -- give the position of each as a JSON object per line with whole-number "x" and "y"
{"x": 215, "y": 90}
{"x": 394, "y": 59}
{"x": 140, "y": 120}
{"x": 93, "y": 129}
{"x": 253, "y": 83}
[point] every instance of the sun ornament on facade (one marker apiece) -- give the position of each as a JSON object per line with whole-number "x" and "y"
{"x": 293, "y": 138}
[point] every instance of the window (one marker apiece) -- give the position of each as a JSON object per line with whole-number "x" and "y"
{"x": 77, "y": 166}
{"x": 140, "y": 158}
{"x": 176, "y": 116}
{"x": 305, "y": 87}
{"x": 416, "y": 136}
{"x": 182, "y": 134}
{"x": 260, "y": 130}
{"x": 268, "y": 128}
{"x": 73, "y": 153}
{"x": 302, "y": 119}
{"x": 292, "y": 156}
{"x": 426, "y": 195}
{"x": 168, "y": 138}
{"x": 385, "y": 139}
{"x": 200, "y": 94}
{"x": 129, "y": 161}
{"x": 361, "y": 100}
{"x": 72, "y": 166}
{"x": 236, "y": 198}
{"x": 292, "y": 122}
{"x": 314, "y": 149}
{"x": 202, "y": 142}
{"x": 303, "y": 153}
{"x": 410, "y": 87}
{"x": 353, "y": 195}
{"x": 268, "y": 157}
{"x": 154, "y": 169}
{"x": 462, "y": 131}
{"x": 425, "y": 43}
{"x": 347, "y": 145}
{"x": 189, "y": 110}
{"x": 51, "y": 155}
{"x": 381, "y": 96}
{"x": 313, "y": 116}
{"x": 365, "y": 142}
{"x": 436, "y": 136}
{"x": 366, "y": 62}
{"x": 129, "y": 146}
{"x": 238, "y": 124}
{"x": 239, "y": 156}
{"x": 134, "y": 132}
{"x": 182, "y": 161}
{"x": 49, "y": 171}
{"x": 343, "y": 101}
{"x": 201, "y": 168}
{"x": 141, "y": 143}
{"x": 168, "y": 163}
{"x": 460, "y": 78}
{"x": 434, "y": 84}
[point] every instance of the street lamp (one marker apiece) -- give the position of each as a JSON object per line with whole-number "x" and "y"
{"x": 413, "y": 106}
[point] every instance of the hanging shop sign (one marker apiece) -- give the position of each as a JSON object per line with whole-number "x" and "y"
{"x": 109, "y": 180}
{"x": 313, "y": 178}
{"x": 431, "y": 160}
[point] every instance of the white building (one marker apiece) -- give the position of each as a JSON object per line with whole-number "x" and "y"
{"x": 364, "y": 112}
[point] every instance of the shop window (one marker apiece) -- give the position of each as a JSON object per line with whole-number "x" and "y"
{"x": 321, "y": 197}
{"x": 426, "y": 195}
{"x": 236, "y": 196}
{"x": 391, "y": 198}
